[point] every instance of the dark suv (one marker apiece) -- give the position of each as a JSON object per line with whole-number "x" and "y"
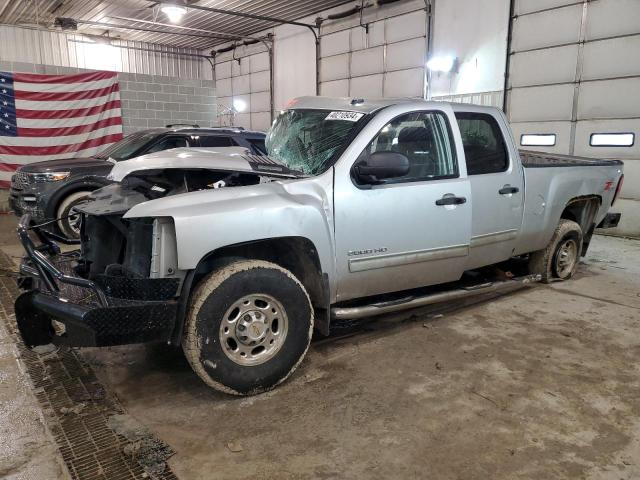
{"x": 49, "y": 190}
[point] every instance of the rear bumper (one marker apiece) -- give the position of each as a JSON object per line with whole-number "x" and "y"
{"x": 611, "y": 220}
{"x": 59, "y": 307}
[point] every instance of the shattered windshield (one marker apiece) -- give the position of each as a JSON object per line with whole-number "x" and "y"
{"x": 306, "y": 140}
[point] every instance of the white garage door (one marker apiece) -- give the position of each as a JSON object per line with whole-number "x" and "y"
{"x": 246, "y": 80}
{"x": 574, "y": 84}
{"x": 388, "y": 61}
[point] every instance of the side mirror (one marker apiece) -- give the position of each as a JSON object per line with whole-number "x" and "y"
{"x": 380, "y": 166}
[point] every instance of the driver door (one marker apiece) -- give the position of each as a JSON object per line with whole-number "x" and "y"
{"x": 404, "y": 232}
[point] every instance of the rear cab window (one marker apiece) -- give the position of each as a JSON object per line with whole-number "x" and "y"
{"x": 485, "y": 149}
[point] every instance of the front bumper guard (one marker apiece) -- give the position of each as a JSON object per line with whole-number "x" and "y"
{"x": 42, "y": 268}
{"x": 62, "y": 308}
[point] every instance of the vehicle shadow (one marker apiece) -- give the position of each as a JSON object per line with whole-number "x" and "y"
{"x": 137, "y": 370}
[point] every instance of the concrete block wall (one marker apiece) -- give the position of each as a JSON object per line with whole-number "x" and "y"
{"x": 148, "y": 100}
{"x": 155, "y": 101}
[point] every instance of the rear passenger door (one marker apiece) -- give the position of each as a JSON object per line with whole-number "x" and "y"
{"x": 497, "y": 188}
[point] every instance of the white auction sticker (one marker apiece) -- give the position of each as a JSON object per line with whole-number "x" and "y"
{"x": 348, "y": 116}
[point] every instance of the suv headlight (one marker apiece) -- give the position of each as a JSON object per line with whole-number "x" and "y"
{"x": 49, "y": 176}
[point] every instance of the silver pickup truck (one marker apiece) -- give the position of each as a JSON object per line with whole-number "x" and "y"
{"x": 361, "y": 208}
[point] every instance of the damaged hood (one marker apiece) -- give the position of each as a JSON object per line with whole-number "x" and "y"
{"x": 232, "y": 159}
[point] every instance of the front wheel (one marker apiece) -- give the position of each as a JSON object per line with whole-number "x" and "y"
{"x": 248, "y": 327}
{"x": 560, "y": 259}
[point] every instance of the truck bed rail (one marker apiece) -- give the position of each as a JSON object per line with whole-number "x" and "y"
{"x": 531, "y": 159}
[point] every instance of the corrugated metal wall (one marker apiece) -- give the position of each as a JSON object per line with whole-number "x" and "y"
{"x": 70, "y": 50}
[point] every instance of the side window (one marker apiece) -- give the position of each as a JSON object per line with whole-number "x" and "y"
{"x": 484, "y": 146}
{"x": 216, "y": 141}
{"x": 422, "y": 137}
{"x": 167, "y": 143}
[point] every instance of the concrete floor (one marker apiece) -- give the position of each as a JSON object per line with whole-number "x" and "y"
{"x": 27, "y": 450}
{"x": 541, "y": 383}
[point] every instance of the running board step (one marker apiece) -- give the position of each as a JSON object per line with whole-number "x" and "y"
{"x": 363, "y": 311}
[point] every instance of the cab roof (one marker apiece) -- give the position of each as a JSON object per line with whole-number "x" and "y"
{"x": 369, "y": 105}
{"x": 349, "y": 104}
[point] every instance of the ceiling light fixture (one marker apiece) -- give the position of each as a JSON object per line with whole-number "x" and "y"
{"x": 174, "y": 11}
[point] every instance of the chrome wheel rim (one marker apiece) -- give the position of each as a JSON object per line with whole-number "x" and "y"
{"x": 253, "y": 329}
{"x": 73, "y": 220}
{"x": 566, "y": 257}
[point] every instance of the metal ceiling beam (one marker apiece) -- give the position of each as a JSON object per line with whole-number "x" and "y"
{"x": 116, "y": 26}
{"x": 251, "y": 15}
{"x": 181, "y": 27}
{"x": 97, "y": 38}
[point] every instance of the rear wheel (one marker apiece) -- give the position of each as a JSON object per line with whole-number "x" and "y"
{"x": 560, "y": 259}
{"x": 68, "y": 218}
{"x": 248, "y": 327}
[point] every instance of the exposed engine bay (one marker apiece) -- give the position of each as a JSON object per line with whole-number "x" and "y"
{"x": 115, "y": 246}
{"x": 154, "y": 184}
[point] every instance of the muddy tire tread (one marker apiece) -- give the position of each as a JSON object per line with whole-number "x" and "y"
{"x": 540, "y": 261}
{"x": 191, "y": 341}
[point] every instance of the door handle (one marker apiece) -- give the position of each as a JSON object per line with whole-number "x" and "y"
{"x": 451, "y": 201}
{"x": 507, "y": 189}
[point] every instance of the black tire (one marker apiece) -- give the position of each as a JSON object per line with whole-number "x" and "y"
{"x": 66, "y": 223}
{"x": 549, "y": 261}
{"x": 207, "y": 351}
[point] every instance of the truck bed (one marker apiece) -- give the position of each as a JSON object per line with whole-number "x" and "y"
{"x": 531, "y": 159}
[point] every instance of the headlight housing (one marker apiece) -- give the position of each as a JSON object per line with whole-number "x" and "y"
{"x": 49, "y": 176}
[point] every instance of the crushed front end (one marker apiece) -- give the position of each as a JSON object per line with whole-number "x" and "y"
{"x": 95, "y": 296}
{"x": 122, "y": 285}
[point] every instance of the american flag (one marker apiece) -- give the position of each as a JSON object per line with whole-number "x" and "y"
{"x": 47, "y": 117}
